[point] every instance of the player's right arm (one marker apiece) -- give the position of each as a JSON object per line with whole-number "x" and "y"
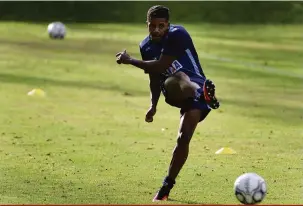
{"x": 155, "y": 92}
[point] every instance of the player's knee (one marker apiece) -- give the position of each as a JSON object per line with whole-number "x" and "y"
{"x": 173, "y": 90}
{"x": 172, "y": 85}
{"x": 176, "y": 80}
{"x": 183, "y": 139}
{"x": 179, "y": 87}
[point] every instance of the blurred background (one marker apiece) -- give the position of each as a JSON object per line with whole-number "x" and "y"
{"x": 228, "y": 12}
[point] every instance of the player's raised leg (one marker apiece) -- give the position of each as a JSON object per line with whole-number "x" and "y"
{"x": 180, "y": 87}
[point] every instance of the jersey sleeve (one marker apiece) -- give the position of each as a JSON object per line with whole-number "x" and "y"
{"x": 142, "y": 54}
{"x": 175, "y": 43}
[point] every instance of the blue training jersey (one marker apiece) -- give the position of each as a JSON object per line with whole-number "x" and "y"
{"x": 178, "y": 43}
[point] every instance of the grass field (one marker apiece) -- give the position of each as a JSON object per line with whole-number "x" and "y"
{"x": 87, "y": 142}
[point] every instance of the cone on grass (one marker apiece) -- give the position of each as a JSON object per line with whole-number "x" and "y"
{"x": 36, "y": 92}
{"x": 226, "y": 150}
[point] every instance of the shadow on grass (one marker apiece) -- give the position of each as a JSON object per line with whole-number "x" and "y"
{"x": 184, "y": 201}
{"x": 83, "y": 46}
{"x": 36, "y": 81}
{"x": 277, "y": 78}
{"x": 289, "y": 115}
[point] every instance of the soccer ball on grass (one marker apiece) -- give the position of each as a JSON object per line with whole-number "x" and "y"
{"x": 56, "y": 30}
{"x": 250, "y": 188}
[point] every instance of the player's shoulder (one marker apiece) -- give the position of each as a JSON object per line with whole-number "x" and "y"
{"x": 177, "y": 30}
{"x": 145, "y": 42}
{"x": 173, "y": 29}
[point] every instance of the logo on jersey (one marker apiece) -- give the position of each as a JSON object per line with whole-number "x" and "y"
{"x": 175, "y": 66}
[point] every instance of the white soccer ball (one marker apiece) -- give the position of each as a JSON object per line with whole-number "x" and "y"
{"x": 56, "y": 30}
{"x": 250, "y": 188}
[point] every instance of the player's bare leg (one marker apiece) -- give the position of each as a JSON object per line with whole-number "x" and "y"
{"x": 188, "y": 124}
{"x": 181, "y": 87}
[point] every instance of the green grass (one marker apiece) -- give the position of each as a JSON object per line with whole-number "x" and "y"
{"x": 87, "y": 142}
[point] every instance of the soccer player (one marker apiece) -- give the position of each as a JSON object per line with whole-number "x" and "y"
{"x": 170, "y": 59}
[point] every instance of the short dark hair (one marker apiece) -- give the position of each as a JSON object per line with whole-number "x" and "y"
{"x": 158, "y": 11}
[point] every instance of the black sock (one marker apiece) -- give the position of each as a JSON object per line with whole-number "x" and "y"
{"x": 169, "y": 182}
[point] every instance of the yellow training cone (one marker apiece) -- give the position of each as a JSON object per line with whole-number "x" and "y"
{"x": 36, "y": 92}
{"x": 226, "y": 150}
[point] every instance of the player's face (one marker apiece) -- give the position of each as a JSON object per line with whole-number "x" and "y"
{"x": 157, "y": 28}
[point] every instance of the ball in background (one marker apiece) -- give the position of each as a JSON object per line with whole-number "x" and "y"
{"x": 56, "y": 30}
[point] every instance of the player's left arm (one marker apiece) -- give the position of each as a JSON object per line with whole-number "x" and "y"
{"x": 154, "y": 66}
{"x": 171, "y": 50}
{"x": 151, "y": 66}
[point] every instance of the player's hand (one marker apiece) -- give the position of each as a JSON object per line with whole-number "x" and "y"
{"x": 123, "y": 58}
{"x": 149, "y": 117}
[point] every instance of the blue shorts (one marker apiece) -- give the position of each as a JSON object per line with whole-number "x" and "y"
{"x": 191, "y": 103}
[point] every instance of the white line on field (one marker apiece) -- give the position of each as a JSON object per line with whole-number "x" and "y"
{"x": 251, "y": 65}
